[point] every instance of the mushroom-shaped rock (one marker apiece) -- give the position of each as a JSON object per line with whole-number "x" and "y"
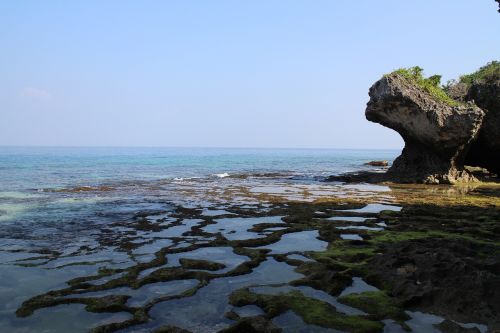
{"x": 437, "y": 133}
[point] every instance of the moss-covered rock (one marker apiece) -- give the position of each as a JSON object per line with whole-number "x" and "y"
{"x": 377, "y": 303}
{"x": 312, "y": 311}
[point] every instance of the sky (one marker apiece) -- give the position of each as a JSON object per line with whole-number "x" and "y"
{"x": 199, "y": 73}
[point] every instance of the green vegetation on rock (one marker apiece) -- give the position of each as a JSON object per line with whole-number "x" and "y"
{"x": 487, "y": 73}
{"x": 312, "y": 311}
{"x": 377, "y": 303}
{"x": 431, "y": 85}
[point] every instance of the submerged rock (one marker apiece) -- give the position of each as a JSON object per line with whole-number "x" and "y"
{"x": 437, "y": 133}
{"x": 170, "y": 329}
{"x": 257, "y": 324}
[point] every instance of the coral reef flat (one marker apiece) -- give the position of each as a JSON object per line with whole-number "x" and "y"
{"x": 259, "y": 254}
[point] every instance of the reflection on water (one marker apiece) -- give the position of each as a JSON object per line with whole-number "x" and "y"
{"x": 236, "y": 228}
{"x": 205, "y": 311}
{"x": 359, "y": 227}
{"x": 298, "y": 242}
{"x": 357, "y": 286}
{"x": 374, "y": 208}
{"x": 48, "y": 238}
{"x": 351, "y": 236}
{"x": 423, "y": 322}
{"x": 62, "y": 318}
{"x": 347, "y": 218}
{"x": 223, "y": 255}
{"x": 248, "y": 311}
{"x": 150, "y": 291}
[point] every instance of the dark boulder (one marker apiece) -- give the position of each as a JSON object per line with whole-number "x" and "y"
{"x": 257, "y": 324}
{"x": 456, "y": 279}
{"x": 378, "y": 163}
{"x": 485, "y": 151}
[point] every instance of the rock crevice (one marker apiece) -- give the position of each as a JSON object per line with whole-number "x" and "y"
{"x": 485, "y": 151}
{"x": 437, "y": 134}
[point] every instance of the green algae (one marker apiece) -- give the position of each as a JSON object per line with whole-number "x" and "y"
{"x": 111, "y": 303}
{"x": 346, "y": 251}
{"x": 312, "y": 311}
{"x": 377, "y": 303}
{"x": 431, "y": 85}
{"x": 393, "y": 237}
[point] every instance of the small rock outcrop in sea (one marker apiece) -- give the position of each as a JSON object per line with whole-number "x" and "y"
{"x": 437, "y": 130}
{"x": 378, "y": 163}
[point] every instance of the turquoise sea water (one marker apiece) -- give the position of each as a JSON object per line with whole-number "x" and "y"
{"x": 105, "y": 180}
{"x": 35, "y": 168}
{"x": 29, "y": 175}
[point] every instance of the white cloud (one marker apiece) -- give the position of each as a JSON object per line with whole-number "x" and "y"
{"x": 36, "y": 93}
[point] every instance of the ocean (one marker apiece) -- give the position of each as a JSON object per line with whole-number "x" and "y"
{"x": 33, "y": 181}
{"x": 28, "y": 168}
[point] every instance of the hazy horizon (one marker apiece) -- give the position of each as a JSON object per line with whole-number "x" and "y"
{"x": 199, "y": 147}
{"x": 222, "y": 74}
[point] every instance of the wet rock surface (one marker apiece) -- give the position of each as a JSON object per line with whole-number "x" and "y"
{"x": 447, "y": 277}
{"x": 254, "y": 267}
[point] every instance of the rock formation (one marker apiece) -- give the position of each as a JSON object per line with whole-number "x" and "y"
{"x": 378, "y": 163}
{"x": 485, "y": 151}
{"x": 437, "y": 133}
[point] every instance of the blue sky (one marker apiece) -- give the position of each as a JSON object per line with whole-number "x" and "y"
{"x": 267, "y": 73}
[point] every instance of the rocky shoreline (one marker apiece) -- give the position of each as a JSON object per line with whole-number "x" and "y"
{"x": 360, "y": 264}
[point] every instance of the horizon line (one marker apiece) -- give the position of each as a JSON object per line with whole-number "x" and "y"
{"x": 191, "y": 147}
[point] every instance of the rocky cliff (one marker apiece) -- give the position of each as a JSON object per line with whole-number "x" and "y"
{"x": 485, "y": 151}
{"x": 441, "y": 134}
